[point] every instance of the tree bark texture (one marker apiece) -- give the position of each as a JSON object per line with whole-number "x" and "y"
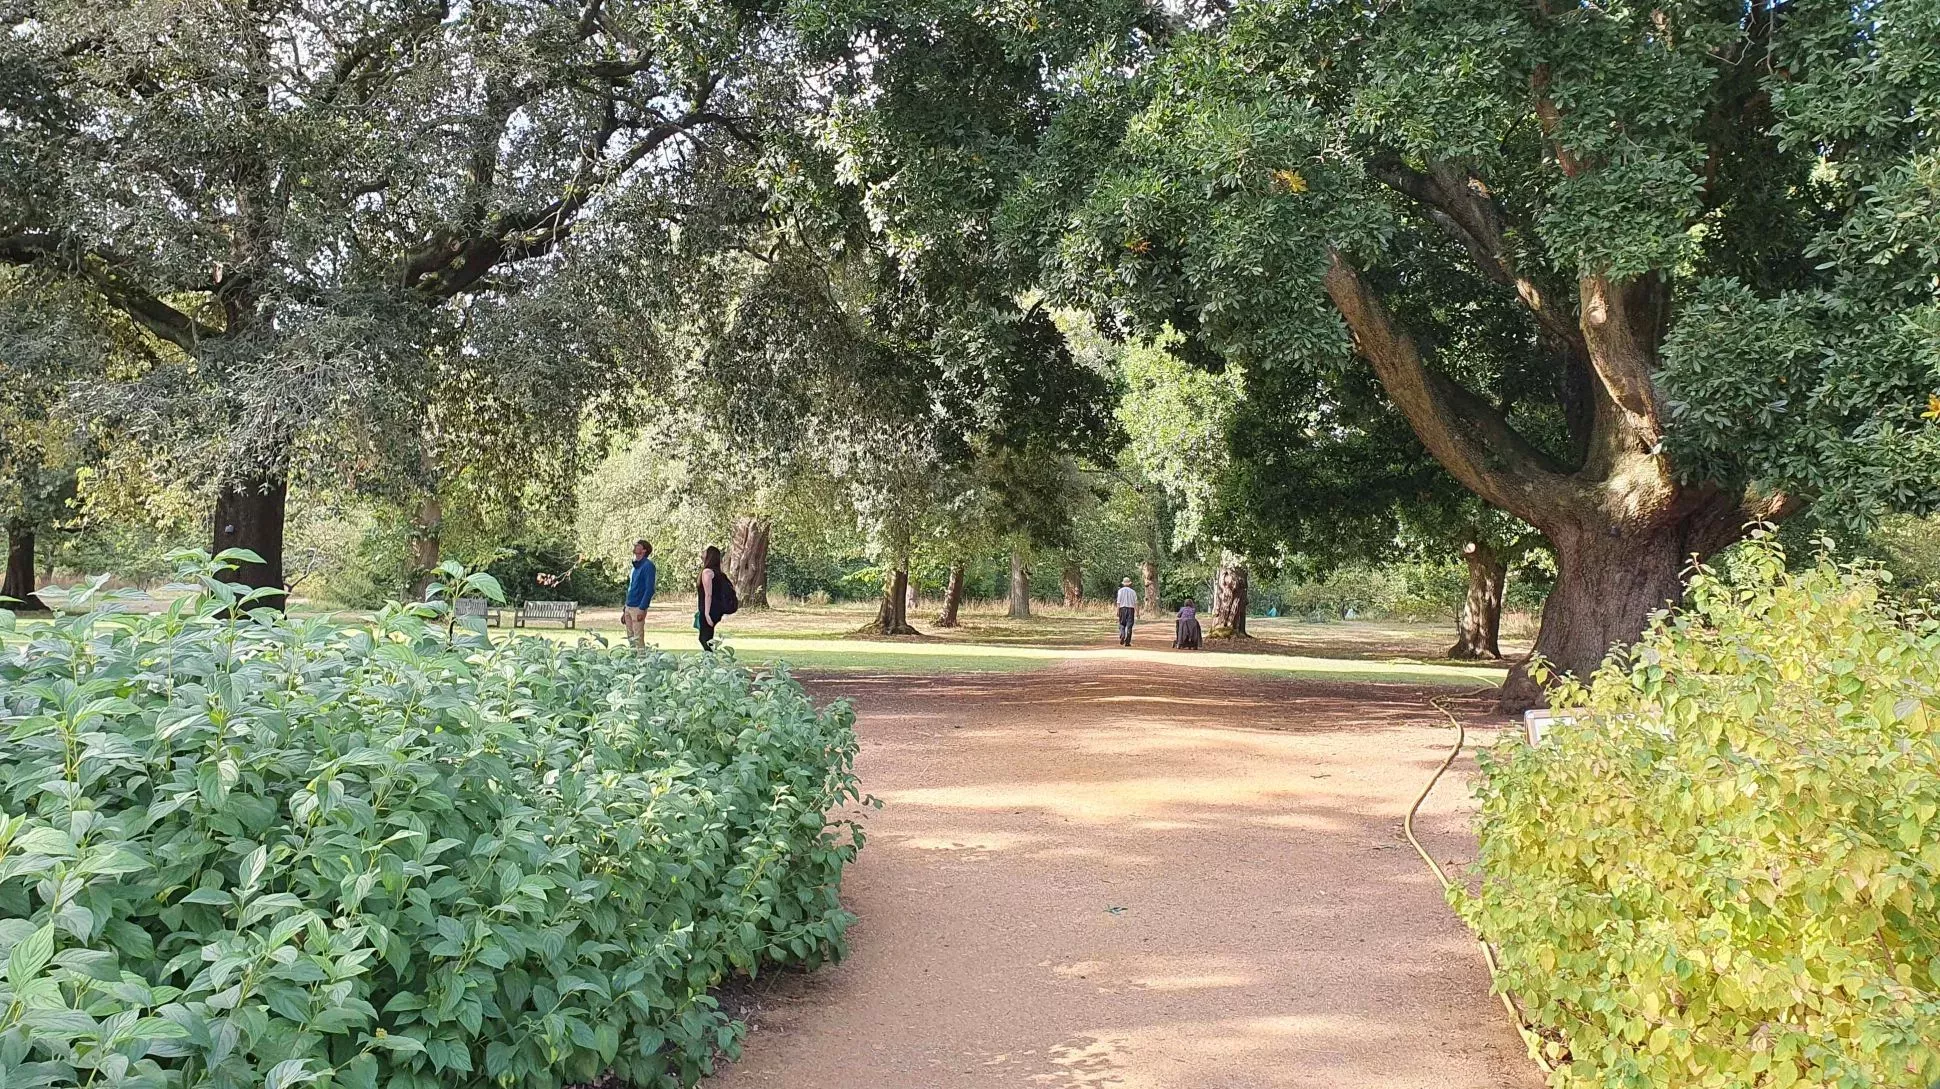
{"x": 1229, "y": 602}
{"x": 249, "y": 514}
{"x": 427, "y": 548}
{"x": 952, "y": 597}
{"x": 1020, "y": 584}
{"x": 1479, "y": 627}
{"x": 892, "y": 614}
{"x": 19, "y": 583}
{"x": 748, "y": 560}
{"x": 1071, "y": 581}
{"x": 1149, "y": 573}
{"x": 1609, "y": 580}
{"x": 1623, "y": 525}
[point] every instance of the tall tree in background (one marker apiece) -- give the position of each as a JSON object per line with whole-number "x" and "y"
{"x": 748, "y": 558}
{"x": 1716, "y": 220}
{"x": 55, "y": 345}
{"x": 297, "y": 202}
{"x": 879, "y": 324}
{"x": 39, "y": 462}
{"x": 1179, "y": 418}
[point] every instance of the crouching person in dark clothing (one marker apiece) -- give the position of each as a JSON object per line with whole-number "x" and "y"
{"x": 1186, "y": 634}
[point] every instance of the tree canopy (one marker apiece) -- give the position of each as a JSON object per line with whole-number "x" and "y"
{"x": 323, "y": 213}
{"x": 1704, "y": 214}
{"x": 1632, "y": 274}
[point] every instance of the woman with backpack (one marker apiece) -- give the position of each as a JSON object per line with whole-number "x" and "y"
{"x": 715, "y": 596}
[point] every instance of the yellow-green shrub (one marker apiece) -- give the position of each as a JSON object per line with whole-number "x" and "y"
{"x": 1723, "y": 871}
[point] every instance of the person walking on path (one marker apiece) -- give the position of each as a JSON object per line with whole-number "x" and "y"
{"x": 1127, "y": 612}
{"x": 714, "y": 597}
{"x": 639, "y": 593}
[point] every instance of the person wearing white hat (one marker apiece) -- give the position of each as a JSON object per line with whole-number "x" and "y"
{"x": 1127, "y": 612}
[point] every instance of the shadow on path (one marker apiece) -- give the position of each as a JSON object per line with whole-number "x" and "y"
{"x": 1143, "y": 877}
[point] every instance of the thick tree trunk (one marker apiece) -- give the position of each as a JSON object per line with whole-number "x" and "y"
{"x": 1150, "y": 601}
{"x": 427, "y": 547}
{"x": 19, "y": 584}
{"x": 249, "y": 514}
{"x": 1609, "y": 580}
{"x": 1020, "y": 584}
{"x": 748, "y": 560}
{"x": 1619, "y": 514}
{"x": 1479, "y": 627}
{"x": 912, "y": 595}
{"x": 952, "y": 597}
{"x": 892, "y": 614}
{"x": 1229, "y": 602}
{"x": 1071, "y": 580}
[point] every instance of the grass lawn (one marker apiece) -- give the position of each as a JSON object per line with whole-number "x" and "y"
{"x": 921, "y": 656}
{"x": 824, "y": 639}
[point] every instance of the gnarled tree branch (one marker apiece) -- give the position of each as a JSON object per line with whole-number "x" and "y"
{"x": 101, "y": 268}
{"x": 452, "y": 263}
{"x": 1463, "y": 432}
{"x": 1462, "y": 206}
{"x": 1623, "y": 323}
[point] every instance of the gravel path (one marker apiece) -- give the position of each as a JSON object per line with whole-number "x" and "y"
{"x": 1143, "y": 877}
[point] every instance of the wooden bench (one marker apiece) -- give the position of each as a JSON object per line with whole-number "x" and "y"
{"x": 552, "y": 612}
{"x": 477, "y": 608}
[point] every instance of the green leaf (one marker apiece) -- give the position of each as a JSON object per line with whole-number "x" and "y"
{"x": 499, "y": 1056}
{"x": 290, "y": 1072}
{"x": 29, "y": 955}
{"x": 403, "y": 1001}
{"x": 486, "y": 586}
{"x": 251, "y": 873}
{"x": 403, "y": 1045}
{"x": 45, "y": 840}
{"x": 358, "y": 1073}
{"x": 269, "y": 905}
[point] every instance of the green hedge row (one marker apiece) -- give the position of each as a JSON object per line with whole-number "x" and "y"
{"x": 1726, "y": 871}
{"x": 270, "y": 852}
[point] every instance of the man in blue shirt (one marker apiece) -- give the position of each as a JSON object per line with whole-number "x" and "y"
{"x": 639, "y": 594}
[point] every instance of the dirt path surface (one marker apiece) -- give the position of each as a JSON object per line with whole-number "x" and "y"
{"x": 1143, "y": 877}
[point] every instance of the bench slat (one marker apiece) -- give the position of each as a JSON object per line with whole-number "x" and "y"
{"x": 477, "y": 608}
{"x": 555, "y": 612}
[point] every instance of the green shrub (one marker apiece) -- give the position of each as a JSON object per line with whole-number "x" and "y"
{"x": 1910, "y": 549}
{"x": 845, "y": 577}
{"x": 1358, "y": 590}
{"x": 136, "y": 553}
{"x": 1723, "y": 871}
{"x": 270, "y": 851}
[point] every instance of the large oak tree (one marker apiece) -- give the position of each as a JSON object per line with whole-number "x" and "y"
{"x": 303, "y": 201}
{"x": 1717, "y": 220}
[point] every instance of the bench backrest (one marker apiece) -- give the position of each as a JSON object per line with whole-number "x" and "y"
{"x": 471, "y": 606}
{"x": 549, "y": 610}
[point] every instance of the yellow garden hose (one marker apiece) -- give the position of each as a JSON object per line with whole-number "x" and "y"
{"x": 1529, "y": 1037}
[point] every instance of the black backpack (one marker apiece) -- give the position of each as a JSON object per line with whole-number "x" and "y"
{"x": 726, "y": 602}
